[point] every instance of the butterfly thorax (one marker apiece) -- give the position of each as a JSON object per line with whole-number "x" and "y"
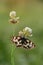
{"x": 23, "y": 40}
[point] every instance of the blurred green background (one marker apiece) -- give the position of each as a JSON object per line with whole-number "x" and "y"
{"x": 31, "y": 14}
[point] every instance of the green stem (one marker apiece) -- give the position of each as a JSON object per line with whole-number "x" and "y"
{"x": 12, "y": 54}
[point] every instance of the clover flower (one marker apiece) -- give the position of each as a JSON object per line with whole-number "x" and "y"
{"x": 12, "y": 14}
{"x": 27, "y": 31}
{"x": 13, "y": 18}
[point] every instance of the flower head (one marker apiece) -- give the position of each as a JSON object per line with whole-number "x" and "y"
{"x": 27, "y": 31}
{"x": 12, "y": 14}
{"x": 13, "y": 17}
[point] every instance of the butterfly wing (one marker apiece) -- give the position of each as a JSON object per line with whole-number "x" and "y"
{"x": 29, "y": 45}
{"x": 17, "y": 41}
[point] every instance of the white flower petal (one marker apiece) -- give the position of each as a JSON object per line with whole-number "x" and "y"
{"x": 12, "y": 14}
{"x": 28, "y": 29}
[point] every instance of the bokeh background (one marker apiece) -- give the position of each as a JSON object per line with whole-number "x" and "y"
{"x": 31, "y": 14}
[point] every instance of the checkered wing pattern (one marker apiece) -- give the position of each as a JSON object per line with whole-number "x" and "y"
{"x": 23, "y": 42}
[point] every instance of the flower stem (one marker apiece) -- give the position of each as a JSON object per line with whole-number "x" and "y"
{"x": 12, "y": 54}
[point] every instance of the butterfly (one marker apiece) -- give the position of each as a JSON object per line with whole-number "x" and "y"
{"x": 23, "y": 42}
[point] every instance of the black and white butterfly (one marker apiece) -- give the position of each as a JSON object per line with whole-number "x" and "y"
{"x": 23, "y": 42}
